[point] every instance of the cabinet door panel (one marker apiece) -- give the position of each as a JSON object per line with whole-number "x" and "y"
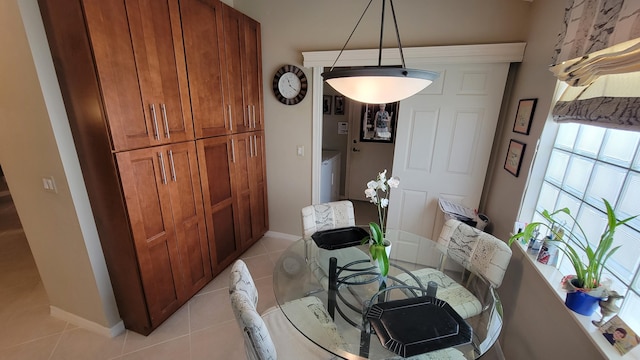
{"x": 243, "y": 148}
{"x": 150, "y": 25}
{"x": 252, "y": 61}
{"x": 203, "y": 34}
{"x": 259, "y": 213}
{"x": 234, "y": 49}
{"x": 113, "y": 54}
{"x": 215, "y": 156}
{"x": 188, "y": 216}
{"x": 149, "y": 207}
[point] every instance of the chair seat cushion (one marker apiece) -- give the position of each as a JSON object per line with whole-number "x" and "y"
{"x": 289, "y": 342}
{"x": 456, "y": 295}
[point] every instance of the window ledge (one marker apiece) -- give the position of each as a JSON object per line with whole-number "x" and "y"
{"x": 553, "y": 277}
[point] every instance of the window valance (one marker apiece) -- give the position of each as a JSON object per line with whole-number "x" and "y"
{"x": 597, "y": 50}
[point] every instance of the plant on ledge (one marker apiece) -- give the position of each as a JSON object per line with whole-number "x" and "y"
{"x": 378, "y": 230}
{"x": 588, "y": 263}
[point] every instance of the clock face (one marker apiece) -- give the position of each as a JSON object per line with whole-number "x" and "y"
{"x": 290, "y": 85}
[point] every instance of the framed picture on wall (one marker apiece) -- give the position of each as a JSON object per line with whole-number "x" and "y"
{"x": 513, "y": 160}
{"x": 378, "y": 122}
{"x": 338, "y": 105}
{"x": 524, "y": 115}
{"x": 326, "y": 104}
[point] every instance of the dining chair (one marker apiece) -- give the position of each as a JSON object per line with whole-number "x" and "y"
{"x": 482, "y": 254}
{"x": 271, "y": 336}
{"x": 327, "y": 216}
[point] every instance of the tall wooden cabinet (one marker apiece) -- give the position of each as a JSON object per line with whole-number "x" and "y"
{"x": 164, "y": 99}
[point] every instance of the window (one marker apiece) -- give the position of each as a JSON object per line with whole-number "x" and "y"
{"x": 586, "y": 164}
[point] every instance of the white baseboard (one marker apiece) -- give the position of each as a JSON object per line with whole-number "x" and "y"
{"x": 114, "y": 331}
{"x": 282, "y": 235}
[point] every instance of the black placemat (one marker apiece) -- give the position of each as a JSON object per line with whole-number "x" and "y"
{"x": 339, "y": 238}
{"x": 418, "y": 325}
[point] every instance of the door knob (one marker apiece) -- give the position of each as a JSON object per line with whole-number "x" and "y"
{"x": 355, "y": 150}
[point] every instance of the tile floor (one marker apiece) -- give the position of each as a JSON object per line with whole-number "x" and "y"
{"x": 204, "y": 328}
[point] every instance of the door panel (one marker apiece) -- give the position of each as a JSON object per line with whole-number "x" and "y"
{"x": 259, "y": 218}
{"x": 150, "y": 24}
{"x": 234, "y": 48}
{"x": 143, "y": 174}
{"x": 252, "y": 59}
{"x": 443, "y": 144}
{"x": 243, "y": 151}
{"x": 203, "y": 34}
{"x": 188, "y": 216}
{"x": 215, "y": 159}
{"x": 129, "y": 123}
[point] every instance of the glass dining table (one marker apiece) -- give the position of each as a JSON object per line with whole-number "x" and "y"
{"x": 384, "y": 318}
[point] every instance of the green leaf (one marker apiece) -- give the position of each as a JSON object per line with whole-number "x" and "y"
{"x": 379, "y": 254}
{"x": 376, "y": 233}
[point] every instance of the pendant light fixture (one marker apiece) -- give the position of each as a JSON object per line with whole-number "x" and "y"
{"x": 379, "y": 84}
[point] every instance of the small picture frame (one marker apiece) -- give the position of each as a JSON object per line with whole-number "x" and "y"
{"x": 513, "y": 160}
{"x": 378, "y": 122}
{"x": 619, "y": 335}
{"x": 326, "y": 104}
{"x": 524, "y": 115}
{"x": 338, "y": 105}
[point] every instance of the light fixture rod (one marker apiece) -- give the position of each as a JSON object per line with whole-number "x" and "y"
{"x": 381, "y": 33}
{"x": 395, "y": 22}
{"x": 350, "y": 35}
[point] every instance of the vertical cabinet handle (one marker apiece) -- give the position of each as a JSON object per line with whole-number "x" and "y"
{"x": 154, "y": 119}
{"x": 250, "y": 146}
{"x": 254, "y": 115}
{"x": 172, "y": 167}
{"x": 233, "y": 152}
{"x": 162, "y": 171}
{"x": 230, "y": 118}
{"x": 255, "y": 144}
{"x": 163, "y": 109}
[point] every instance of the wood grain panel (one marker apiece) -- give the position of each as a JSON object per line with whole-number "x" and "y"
{"x": 216, "y": 174}
{"x": 149, "y": 207}
{"x": 150, "y": 26}
{"x": 203, "y": 34}
{"x": 113, "y": 54}
{"x": 188, "y": 216}
{"x": 234, "y": 48}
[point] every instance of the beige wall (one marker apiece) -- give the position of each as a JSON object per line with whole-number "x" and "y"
{"x": 35, "y": 141}
{"x": 537, "y": 323}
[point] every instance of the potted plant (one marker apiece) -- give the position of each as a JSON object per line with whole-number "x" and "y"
{"x": 379, "y": 245}
{"x": 587, "y": 262}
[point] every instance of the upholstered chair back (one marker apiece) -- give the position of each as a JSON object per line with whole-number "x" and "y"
{"x": 479, "y": 252}
{"x": 240, "y": 280}
{"x": 257, "y": 341}
{"x": 327, "y": 216}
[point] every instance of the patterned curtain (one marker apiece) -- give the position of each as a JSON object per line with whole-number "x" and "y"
{"x": 594, "y": 25}
{"x": 599, "y": 39}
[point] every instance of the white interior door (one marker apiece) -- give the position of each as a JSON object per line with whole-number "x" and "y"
{"x": 443, "y": 143}
{"x": 364, "y": 159}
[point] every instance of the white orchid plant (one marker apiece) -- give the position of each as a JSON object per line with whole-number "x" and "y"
{"x": 378, "y": 193}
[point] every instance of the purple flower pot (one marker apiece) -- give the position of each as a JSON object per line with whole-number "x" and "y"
{"x": 581, "y": 302}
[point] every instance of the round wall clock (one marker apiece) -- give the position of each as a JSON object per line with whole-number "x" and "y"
{"x": 290, "y": 85}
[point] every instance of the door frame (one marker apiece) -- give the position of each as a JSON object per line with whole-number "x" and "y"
{"x": 453, "y": 54}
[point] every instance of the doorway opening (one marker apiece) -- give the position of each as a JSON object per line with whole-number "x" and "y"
{"x": 354, "y": 148}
